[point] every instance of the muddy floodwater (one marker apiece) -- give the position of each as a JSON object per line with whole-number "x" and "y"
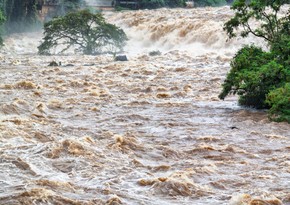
{"x": 147, "y": 131}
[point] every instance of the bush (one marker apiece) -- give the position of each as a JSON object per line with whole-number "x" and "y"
{"x": 86, "y": 32}
{"x": 279, "y": 101}
{"x": 261, "y": 79}
{"x": 253, "y": 74}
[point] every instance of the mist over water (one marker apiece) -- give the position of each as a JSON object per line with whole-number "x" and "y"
{"x": 147, "y": 131}
{"x": 196, "y": 31}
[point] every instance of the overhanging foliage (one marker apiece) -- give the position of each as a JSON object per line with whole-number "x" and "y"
{"x": 261, "y": 79}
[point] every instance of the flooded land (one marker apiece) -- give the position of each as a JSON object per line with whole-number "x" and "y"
{"x": 150, "y": 130}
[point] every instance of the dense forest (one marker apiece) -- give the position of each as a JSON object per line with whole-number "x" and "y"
{"x": 21, "y": 15}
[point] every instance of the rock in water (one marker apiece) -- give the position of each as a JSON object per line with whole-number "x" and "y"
{"x": 54, "y": 63}
{"x": 121, "y": 58}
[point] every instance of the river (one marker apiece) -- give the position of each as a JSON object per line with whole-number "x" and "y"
{"x": 147, "y": 131}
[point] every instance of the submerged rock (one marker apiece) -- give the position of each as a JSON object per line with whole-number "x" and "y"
{"x": 155, "y": 53}
{"x": 121, "y": 58}
{"x": 54, "y": 63}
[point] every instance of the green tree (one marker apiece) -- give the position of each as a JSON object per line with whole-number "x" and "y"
{"x": 2, "y": 20}
{"x": 258, "y": 76}
{"x": 279, "y": 101}
{"x": 272, "y": 28}
{"x": 20, "y": 14}
{"x": 254, "y": 73}
{"x": 86, "y": 32}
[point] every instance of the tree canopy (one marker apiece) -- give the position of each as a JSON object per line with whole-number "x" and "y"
{"x": 85, "y": 32}
{"x": 20, "y": 14}
{"x": 272, "y": 28}
{"x": 261, "y": 78}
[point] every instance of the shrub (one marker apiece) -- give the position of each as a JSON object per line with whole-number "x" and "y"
{"x": 253, "y": 74}
{"x": 86, "y": 32}
{"x": 279, "y": 101}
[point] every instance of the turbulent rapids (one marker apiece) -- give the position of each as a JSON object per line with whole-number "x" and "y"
{"x": 147, "y": 131}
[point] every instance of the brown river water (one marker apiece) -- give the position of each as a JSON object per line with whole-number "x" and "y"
{"x": 147, "y": 131}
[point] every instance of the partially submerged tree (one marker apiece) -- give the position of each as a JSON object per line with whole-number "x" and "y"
{"x": 259, "y": 77}
{"x": 85, "y": 32}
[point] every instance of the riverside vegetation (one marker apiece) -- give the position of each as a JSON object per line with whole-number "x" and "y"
{"x": 22, "y": 15}
{"x": 147, "y": 131}
{"x": 2, "y": 20}
{"x": 261, "y": 78}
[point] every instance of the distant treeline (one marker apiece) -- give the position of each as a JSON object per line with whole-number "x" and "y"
{"x": 18, "y": 13}
{"x": 22, "y": 15}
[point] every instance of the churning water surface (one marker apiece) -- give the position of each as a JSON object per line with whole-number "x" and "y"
{"x": 147, "y": 131}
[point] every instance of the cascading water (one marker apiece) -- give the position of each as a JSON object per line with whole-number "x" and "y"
{"x": 196, "y": 31}
{"x": 147, "y": 131}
